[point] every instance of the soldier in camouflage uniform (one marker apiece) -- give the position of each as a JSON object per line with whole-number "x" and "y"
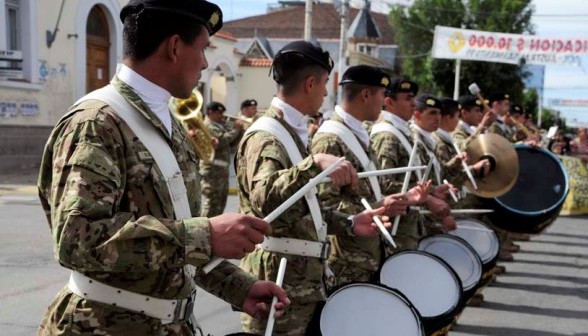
{"x": 267, "y": 177}
{"x": 427, "y": 118}
{"x": 215, "y": 175}
{"x": 354, "y": 258}
{"x": 391, "y": 152}
{"x": 108, "y": 205}
{"x": 249, "y": 111}
{"x": 503, "y": 125}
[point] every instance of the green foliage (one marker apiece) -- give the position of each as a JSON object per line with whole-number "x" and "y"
{"x": 414, "y": 28}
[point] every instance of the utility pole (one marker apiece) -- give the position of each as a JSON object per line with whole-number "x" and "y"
{"x": 343, "y": 44}
{"x": 308, "y": 21}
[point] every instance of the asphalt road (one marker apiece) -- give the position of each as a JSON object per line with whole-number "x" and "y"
{"x": 543, "y": 293}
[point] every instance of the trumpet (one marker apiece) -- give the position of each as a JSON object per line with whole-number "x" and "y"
{"x": 188, "y": 111}
{"x": 246, "y": 121}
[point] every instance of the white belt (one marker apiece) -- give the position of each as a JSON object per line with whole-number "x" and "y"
{"x": 304, "y": 248}
{"x": 220, "y": 163}
{"x": 168, "y": 311}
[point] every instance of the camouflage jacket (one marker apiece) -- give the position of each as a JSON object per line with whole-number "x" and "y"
{"x": 426, "y": 153}
{"x": 358, "y": 252}
{"x": 461, "y": 136}
{"x": 110, "y": 212}
{"x": 227, "y": 136}
{"x": 500, "y": 128}
{"x": 266, "y": 178}
{"x": 451, "y": 169}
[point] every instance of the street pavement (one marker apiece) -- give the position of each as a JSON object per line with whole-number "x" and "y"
{"x": 543, "y": 293}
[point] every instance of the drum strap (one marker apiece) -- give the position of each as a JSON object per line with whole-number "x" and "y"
{"x": 387, "y": 127}
{"x": 350, "y": 140}
{"x": 279, "y": 132}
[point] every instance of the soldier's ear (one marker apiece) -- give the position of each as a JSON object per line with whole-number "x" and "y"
{"x": 173, "y": 47}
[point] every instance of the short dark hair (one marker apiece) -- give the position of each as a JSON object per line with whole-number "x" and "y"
{"x": 145, "y": 30}
{"x": 291, "y": 69}
{"x": 351, "y": 90}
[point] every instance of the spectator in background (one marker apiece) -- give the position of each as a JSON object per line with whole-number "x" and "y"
{"x": 579, "y": 145}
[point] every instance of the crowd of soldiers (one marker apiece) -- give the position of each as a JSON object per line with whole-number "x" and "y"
{"x": 135, "y": 237}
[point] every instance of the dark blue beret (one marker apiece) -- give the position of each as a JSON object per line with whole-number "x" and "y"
{"x": 248, "y": 102}
{"x": 498, "y": 96}
{"x": 365, "y": 75}
{"x": 469, "y": 101}
{"x": 399, "y": 85}
{"x": 426, "y": 100}
{"x": 308, "y": 50}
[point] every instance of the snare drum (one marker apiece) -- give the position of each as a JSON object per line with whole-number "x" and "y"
{"x": 459, "y": 255}
{"x": 481, "y": 237}
{"x": 369, "y": 310}
{"x": 428, "y": 282}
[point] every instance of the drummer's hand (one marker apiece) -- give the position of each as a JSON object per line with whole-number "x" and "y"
{"x": 482, "y": 168}
{"x": 364, "y": 223}
{"x": 234, "y": 235}
{"x": 448, "y": 224}
{"x": 395, "y": 205}
{"x": 438, "y": 207}
{"x": 343, "y": 175}
{"x": 461, "y": 157}
{"x": 418, "y": 195}
{"x": 488, "y": 118}
{"x": 259, "y": 298}
{"x": 442, "y": 191}
{"x": 214, "y": 142}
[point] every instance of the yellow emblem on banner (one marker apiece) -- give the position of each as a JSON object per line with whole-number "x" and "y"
{"x": 456, "y": 42}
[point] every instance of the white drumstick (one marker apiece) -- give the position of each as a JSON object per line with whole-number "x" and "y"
{"x": 451, "y": 192}
{"x": 427, "y": 171}
{"x": 391, "y": 171}
{"x": 279, "y": 281}
{"x": 465, "y": 227}
{"x": 406, "y": 181}
{"x": 284, "y": 206}
{"x": 379, "y": 223}
{"x": 466, "y": 169}
{"x": 456, "y": 211}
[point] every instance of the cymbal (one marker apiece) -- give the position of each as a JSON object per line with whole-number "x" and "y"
{"x": 504, "y": 161}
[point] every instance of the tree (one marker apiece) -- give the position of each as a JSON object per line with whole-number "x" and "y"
{"x": 414, "y": 28}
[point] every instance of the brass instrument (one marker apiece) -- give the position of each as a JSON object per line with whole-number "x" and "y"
{"x": 188, "y": 111}
{"x": 246, "y": 121}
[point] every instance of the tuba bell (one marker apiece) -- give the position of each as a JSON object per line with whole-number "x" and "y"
{"x": 188, "y": 111}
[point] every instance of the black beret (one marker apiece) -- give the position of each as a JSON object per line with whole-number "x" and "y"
{"x": 248, "y": 102}
{"x": 310, "y": 51}
{"x": 399, "y": 85}
{"x": 206, "y": 13}
{"x": 365, "y": 75}
{"x": 469, "y": 101}
{"x": 516, "y": 109}
{"x": 498, "y": 96}
{"x": 215, "y": 106}
{"x": 425, "y": 100}
{"x": 448, "y": 106}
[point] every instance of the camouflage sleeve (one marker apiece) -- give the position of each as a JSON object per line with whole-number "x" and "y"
{"x": 228, "y": 282}
{"x": 90, "y": 233}
{"x": 333, "y": 198}
{"x": 386, "y": 151}
{"x": 225, "y": 138}
{"x": 451, "y": 169}
{"x": 461, "y": 140}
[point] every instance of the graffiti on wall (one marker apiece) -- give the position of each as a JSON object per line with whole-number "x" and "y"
{"x": 13, "y": 109}
{"x": 47, "y": 70}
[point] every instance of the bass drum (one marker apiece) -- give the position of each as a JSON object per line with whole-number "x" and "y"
{"x": 428, "y": 282}
{"x": 458, "y": 254}
{"x": 538, "y": 195}
{"x": 369, "y": 310}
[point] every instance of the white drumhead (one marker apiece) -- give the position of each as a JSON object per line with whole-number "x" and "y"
{"x": 368, "y": 310}
{"x": 427, "y": 282}
{"x": 462, "y": 258}
{"x": 485, "y": 243}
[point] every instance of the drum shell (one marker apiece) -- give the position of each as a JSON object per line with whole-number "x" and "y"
{"x": 534, "y": 202}
{"x": 397, "y": 294}
{"x": 472, "y": 256}
{"x": 431, "y": 323}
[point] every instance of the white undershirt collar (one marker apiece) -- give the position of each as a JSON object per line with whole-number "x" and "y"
{"x": 154, "y": 96}
{"x": 443, "y": 134}
{"x": 354, "y": 125}
{"x": 399, "y": 123}
{"x": 467, "y": 127}
{"x": 293, "y": 117}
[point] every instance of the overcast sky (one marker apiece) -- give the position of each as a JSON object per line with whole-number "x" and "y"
{"x": 553, "y": 18}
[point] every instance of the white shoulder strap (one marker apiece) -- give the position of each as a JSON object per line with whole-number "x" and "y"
{"x": 387, "y": 127}
{"x": 279, "y": 132}
{"x": 153, "y": 141}
{"x": 350, "y": 140}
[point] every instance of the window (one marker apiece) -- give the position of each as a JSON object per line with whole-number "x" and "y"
{"x": 18, "y": 42}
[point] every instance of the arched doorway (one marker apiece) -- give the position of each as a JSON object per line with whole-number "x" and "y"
{"x": 97, "y": 50}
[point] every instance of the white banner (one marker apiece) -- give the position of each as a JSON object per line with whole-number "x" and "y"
{"x": 475, "y": 45}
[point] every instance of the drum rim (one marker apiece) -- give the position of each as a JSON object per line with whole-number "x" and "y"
{"x": 468, "y": 247}
{"x": 400, "y": 295}
{"x": 444, "y": 264}
{"x": 557, "y": 204}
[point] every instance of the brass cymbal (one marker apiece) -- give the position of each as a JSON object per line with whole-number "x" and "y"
{"x": 505, "y": 165}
